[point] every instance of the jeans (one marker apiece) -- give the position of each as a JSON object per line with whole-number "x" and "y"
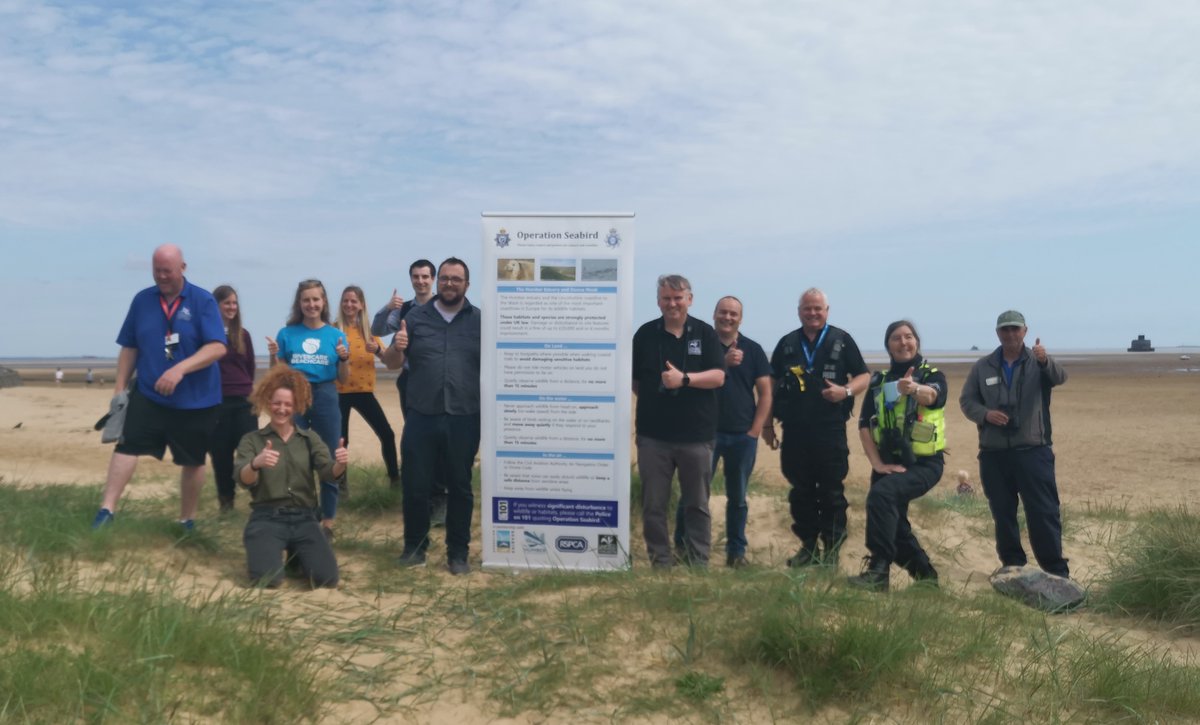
{"x": 1027, "y": 473}
{"x": 368, "y": 407}
{"x": 272, "y": 531}
{"x": 739, "y": 451}
{"x": 657, "y": 464}
{"x": 431, "y": 445}
{"x": 325, "y": 419}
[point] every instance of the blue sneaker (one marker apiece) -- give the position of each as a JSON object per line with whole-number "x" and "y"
{"x": 188, "y": 525}
{"x": 104, "y": 517}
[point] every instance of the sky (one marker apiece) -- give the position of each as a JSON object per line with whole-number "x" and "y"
{"x": 940, "y": 161}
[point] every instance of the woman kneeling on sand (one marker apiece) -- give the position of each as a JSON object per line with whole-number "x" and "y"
{"x": 279, "y": 464}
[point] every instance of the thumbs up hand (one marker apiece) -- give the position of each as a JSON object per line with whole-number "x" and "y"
{"x": 267, "y": 457}
{"x": 342, "y": 349}
{"x": 372, "y": 346}
{"x": 400, "y": 339}
{"x": 733, "y": 356}
{"x": 1039, "y": 351}
{"x": 396, "y": 302}
{"x": 672, "y": 379}
{"x": 341, "y": 455}
{"x": 906, "y": 385}
{"x": 272, "y": 346}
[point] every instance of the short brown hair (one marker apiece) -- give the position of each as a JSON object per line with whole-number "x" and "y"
{"x": 281, "y": 376}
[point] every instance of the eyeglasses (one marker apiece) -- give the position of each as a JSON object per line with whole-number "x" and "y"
{"x": 451, "y": 280}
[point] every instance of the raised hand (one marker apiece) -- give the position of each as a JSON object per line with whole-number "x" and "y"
{"x": 400, "y": 339}
{"x": 342, "y": 349}
{"x": 672, "y": 379}
{"x": 341, "y": 455}
{"x": 396, "y": 302}
{"x": 267, "y": 457}
{"x": 372, "y": 346}
{"x": 833, "y": 392}
{"x": 733, "y": 356}
{"x": 1039, "y": 352}
{"x": 906, "y": 385}
{"x": 272, "y": 346}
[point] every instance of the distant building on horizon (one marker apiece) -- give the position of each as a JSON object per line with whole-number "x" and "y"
{"x": 1141, "y": 344}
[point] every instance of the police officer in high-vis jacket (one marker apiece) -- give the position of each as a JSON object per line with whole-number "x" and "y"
{"x": 903, "y": 433}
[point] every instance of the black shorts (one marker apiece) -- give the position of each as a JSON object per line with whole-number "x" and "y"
{"x": 150, "y": 428}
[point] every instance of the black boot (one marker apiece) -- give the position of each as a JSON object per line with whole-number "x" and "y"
{"x": 807, "y": 556}
{"x": 874, "y": 576}
{"x": 923, "y": 572}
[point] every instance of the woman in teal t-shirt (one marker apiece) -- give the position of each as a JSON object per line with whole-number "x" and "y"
{"x": 312, "y": 346}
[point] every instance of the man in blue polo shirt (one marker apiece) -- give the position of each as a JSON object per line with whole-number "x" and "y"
{"x": 172, "y": 337}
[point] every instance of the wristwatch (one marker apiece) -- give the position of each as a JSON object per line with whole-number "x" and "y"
{"x": 687, "y": 380}
{"x": 849, "y": 392}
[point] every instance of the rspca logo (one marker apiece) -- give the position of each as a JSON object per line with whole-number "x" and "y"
{"x": 535, "y": 542}
{"x": 606, "y": 545}
{"x": 571, "y": 544}
{"x": 185, "y": 313}
{"x": 613, "y": 240}
{"x": 504, "y": 541}
{"x": 311, "y": 345}
{"x": 502, "y": 238}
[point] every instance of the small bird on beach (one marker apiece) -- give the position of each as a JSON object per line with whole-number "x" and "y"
{"x": 964, "y": 484}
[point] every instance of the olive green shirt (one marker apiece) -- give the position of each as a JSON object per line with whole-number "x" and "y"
{"x": 291, "y": 482}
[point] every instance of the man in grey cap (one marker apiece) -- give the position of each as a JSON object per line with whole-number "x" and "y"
{"x": 1007, "y": 395}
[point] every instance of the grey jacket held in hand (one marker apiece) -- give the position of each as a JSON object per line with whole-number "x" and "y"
{"x": 1028, "y": 396}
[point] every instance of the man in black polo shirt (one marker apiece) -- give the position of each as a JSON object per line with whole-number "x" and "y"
{"x": 817, "y": 371}
{"x": 740, "y": 422}
{"x": 678, "y": 365}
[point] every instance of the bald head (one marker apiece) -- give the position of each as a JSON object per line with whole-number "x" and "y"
{"x": 168, "y": 267}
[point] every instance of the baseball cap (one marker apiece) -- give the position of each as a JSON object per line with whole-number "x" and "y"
{"x": 1011, "y": 318}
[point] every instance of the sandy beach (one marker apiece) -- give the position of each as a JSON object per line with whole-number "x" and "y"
{"x": 1124, "y": 438}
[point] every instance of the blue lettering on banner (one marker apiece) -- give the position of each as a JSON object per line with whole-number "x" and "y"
{"x": 601, "y": 514}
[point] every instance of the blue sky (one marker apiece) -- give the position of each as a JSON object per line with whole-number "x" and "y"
{"x": 941, "y": 161}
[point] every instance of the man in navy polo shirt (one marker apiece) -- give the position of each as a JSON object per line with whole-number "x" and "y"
{"x": 740, "y": 421}
{"x": 678, "y": 365}
{"x": 172, "y": 337}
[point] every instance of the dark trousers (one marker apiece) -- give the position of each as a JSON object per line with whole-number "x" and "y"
{"x": 889, "y": 533}
{"x": 433, "y": 444}
{"x": 439, "y": 484}
{"x": 235, "y": 418}
{"x": 817, "y": 472}
{"x": 1027, "y": 474}
{"x": 368, "y": 407}
{"x": 271, "y": 532}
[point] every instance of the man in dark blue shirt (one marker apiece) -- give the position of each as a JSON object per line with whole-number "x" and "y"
{"x": 173, "y": 335}
{"x": 740, "y": 421}
{"x": 440, "y": 340}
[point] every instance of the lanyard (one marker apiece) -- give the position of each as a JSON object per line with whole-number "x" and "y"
{"x": 169, "y": 312}
{"x": 809, "y": 356}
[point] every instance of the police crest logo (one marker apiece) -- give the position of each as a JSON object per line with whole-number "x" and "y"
{"x": 502, "y": 238}
{"x": 694, "y": 347}
{"x": 613, "y": 240}
{"x": 504, "y": 541}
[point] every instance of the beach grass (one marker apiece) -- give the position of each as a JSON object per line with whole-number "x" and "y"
{"x": 100, "y": 627}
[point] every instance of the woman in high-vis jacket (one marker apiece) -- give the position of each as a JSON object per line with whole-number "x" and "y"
{"x": 903, "y": 433}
